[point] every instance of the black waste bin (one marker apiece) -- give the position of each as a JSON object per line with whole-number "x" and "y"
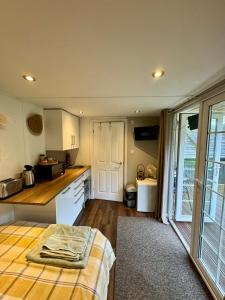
{"x": 130, "y": 196}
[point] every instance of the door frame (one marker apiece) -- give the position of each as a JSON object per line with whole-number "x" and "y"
{"x": 107, "y": 119}
{"x": 180, "y": 173}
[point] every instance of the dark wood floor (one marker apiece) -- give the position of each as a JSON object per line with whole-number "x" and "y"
{"x": 103, "y": 215}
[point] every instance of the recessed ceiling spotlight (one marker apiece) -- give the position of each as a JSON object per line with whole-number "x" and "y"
{"x": 137, "y": 111}
{"x": 29, "y": 78}
{"x": 158, "y": 74}
{"x": 81, "y": 112}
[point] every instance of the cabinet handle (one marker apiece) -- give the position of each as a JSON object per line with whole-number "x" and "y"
{"x": 66, "y": 190}
{"x": 77, "y": 193}
{"x": 78, "y": 185}
{"x": 78, "y": 199}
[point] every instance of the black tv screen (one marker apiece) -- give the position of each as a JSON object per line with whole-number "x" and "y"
{"x": 193, "y": 122}
{"x": 146, "y": 133}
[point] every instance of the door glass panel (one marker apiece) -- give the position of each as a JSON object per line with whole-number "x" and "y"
{"x": 217, "y": 119}
{"x": 209, "y": 257}
{"x": 211, "y": 233}
{"x": 216, "y": 177}
{"x": 212, "y": 237}
{"x": 222, "y": 276}
{"x": 214, "y": 152}
{"x": 185, "y": 147}
{"x": 213, "y": 206}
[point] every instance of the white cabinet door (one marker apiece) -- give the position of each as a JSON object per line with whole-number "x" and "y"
{"x": 74, "y": 135}
{"x": 76, "y": 131}
{"x": 64, "y": 213}
{"x": 69, "y": 202}
{"x": 67, "y": 131}
{"x": 70, "y": 131}
{"x": 62, "y": 130}
{"x": 53, "y": 130}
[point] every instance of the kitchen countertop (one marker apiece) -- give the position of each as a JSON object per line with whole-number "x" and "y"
{"x": 42, "y": 193}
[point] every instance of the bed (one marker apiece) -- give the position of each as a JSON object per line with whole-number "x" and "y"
{"x": 20, "y": 279}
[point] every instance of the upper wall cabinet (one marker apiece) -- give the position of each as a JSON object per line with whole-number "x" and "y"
{"x": 62, "y": 130}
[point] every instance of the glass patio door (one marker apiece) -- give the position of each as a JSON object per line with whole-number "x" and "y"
{"x": 187, "y": 146}
{"x": 210, "y": 252}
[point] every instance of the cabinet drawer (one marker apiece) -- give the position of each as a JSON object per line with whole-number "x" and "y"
{"x": 66, "y": 193}
{"x": 78, "y": 205}
{"x": 78, "y": 193}
{"x": 76, "y": 183}
{"x": 77, "y": 188}
{"x": 86, "y": 174}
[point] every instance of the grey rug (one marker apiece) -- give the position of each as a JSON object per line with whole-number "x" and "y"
{"x": 153, "y": 264}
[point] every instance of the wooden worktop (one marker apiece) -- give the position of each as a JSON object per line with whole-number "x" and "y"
{"x": 42, "y": 193}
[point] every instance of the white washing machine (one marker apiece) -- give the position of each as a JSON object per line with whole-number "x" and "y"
{"x": 146, "y": 194}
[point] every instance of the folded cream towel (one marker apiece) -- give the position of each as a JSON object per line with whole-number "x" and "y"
{"x": 67, "y": 246}
{"x": 64, "y": 257}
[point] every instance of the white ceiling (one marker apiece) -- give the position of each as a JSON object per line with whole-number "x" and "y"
{"x": 98, "y": 56}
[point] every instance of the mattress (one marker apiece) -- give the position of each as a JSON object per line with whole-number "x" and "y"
{"x": 20, "y": 279}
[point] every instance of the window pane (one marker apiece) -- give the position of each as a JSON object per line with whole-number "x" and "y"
{"x": 211, "y": 146}
{"x": 216, "y": 177}
{"x": 211, "y": 232}
{"x": 213, "y": 124}
{"x": 209, "y": 258}
{"x": 218, "y": 117}
{"x": 222, "y": 276}
{"x": 223, "y": 245}
{"x": 216, "y": 147}
{"x": 213, "y": 206}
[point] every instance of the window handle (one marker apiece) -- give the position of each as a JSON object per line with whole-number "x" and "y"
{"x": 199, "y": 183}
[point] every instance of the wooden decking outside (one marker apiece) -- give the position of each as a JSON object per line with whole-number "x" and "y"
{"x": 185, "y": 230}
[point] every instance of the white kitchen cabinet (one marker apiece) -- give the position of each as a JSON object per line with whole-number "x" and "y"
{"x": 70, "y": 202}
{"x": 61, "y": 130}
{"x": 63, "y": 209}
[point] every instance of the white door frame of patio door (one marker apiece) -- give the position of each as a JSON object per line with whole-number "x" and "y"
{"x": 200, "y": 172}
{"x": 180, "y": 172}
{"x": 97, "y": 120}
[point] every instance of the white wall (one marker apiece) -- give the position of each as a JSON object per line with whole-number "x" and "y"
{"x": 140, "y": 152}
{"x": 83, "y": 156}
{"x": 18, "y": 146}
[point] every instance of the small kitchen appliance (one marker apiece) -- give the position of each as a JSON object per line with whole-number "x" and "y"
{"x": 28, "y": 177}
{"x": 49, "y": 171}
{"x": 10, "y": 186}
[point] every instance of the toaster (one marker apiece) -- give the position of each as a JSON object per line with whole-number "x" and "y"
{"x": 10, "y": 186}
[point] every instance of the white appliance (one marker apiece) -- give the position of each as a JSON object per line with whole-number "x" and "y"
{"x": 146, "y": 194}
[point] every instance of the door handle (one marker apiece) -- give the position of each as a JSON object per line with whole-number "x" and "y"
{"x": 199, "y": 183}
{"x": 119, "y": 163}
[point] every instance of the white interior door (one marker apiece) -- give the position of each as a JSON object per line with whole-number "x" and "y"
{"x": 108, "y": 163}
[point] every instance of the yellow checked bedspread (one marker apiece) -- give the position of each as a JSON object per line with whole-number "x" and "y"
{"x": 20, "y": 279}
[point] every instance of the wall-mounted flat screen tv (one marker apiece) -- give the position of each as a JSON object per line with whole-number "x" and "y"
{"x": 193, "y": 122}
{"x": 146, "y": 133}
